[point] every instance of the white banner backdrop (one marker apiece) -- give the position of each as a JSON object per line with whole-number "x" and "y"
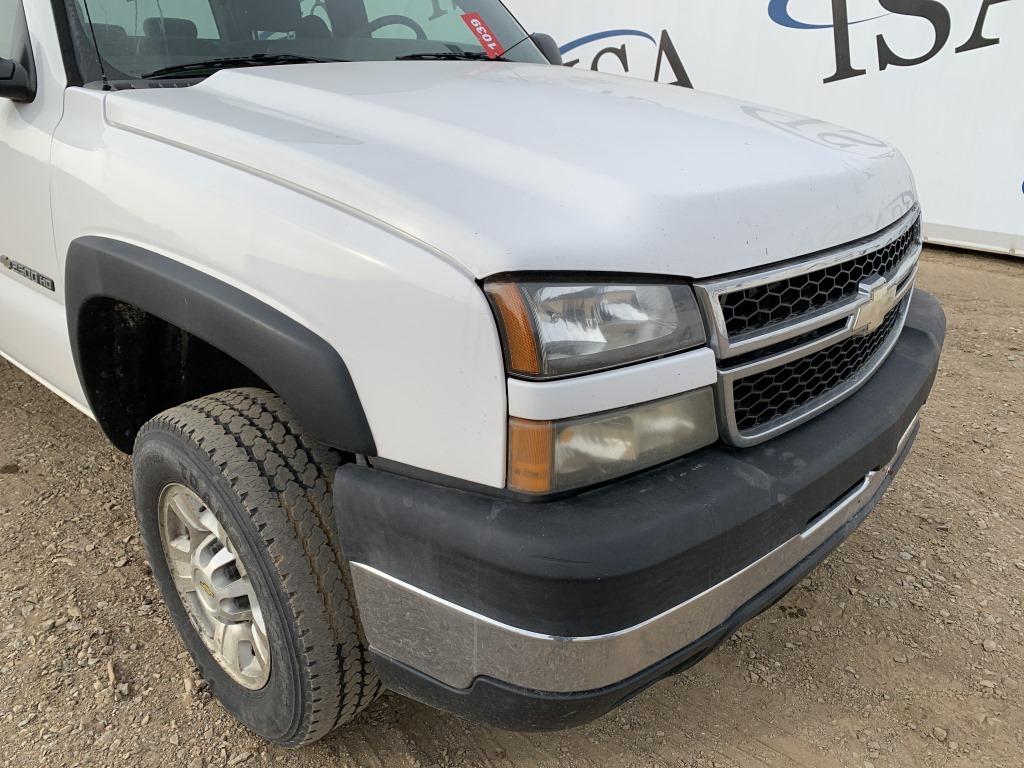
{"x": 941, "y": 79}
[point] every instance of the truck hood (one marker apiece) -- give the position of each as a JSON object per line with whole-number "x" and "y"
{"x": 508, "y": 167}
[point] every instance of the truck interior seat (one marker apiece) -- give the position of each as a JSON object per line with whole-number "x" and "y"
{"x": 174, "y": 37}
{"x": 182, "y": 29}
{"x": 313, "y": 28}
{"x": 113, "y": 39}
{"x": 270, "y": 16}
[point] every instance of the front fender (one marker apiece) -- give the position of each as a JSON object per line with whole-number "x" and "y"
{"x": 301, "y": 367}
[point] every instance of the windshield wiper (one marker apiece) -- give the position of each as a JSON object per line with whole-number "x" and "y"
{"x": 234, "y": 62}
{"x": 450, "y": 56}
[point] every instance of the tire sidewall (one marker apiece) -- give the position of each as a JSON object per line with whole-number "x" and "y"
{"x": 279, "y": 709}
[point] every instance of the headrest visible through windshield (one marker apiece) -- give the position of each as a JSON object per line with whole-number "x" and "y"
{"x": 269, "y": 15}
{"x": 182, "y": 29}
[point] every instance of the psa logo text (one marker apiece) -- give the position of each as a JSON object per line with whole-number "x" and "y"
{"x": 932, "y": 12}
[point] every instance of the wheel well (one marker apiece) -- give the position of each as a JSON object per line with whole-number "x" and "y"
{"x": 145, "y": 332}
{"x": 135, "y": 365}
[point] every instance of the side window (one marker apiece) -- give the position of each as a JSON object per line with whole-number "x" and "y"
{"x": 9, "y": 10}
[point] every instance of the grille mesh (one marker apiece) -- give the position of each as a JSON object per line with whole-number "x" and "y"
{"x": 773, "y": 394}
{"x": 765, "y": 305}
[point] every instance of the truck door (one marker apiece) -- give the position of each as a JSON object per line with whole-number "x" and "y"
{"x": 33, "y": 326}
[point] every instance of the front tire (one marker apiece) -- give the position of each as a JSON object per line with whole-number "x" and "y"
{"x": 235, "y": 507}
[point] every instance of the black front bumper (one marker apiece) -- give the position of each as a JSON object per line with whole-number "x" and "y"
{"x": 614, "y": 557}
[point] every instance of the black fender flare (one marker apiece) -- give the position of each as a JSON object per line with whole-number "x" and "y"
{"x": 300, "y": 366}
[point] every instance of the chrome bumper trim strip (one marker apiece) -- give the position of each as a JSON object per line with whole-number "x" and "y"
{"x": 455, "y": 645}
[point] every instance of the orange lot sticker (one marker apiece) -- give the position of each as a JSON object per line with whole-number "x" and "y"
{"x": 490, "y": 42}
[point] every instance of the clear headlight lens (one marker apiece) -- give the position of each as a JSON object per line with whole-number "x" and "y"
{"x": 554, "y": 329}
{"x": 551, "y": 456}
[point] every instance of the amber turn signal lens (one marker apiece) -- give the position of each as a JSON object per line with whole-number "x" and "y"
{"x": 556, "y": 456}
{"x": 520, "y": 338}
{"x": 530, "y": 454}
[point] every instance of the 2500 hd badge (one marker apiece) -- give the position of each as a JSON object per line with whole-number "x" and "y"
{"x": 28, "y": 273}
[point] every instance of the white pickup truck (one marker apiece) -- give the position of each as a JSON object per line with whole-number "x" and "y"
{"x": 425, "y": 391}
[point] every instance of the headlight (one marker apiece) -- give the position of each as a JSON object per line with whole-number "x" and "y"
{"x": 551, "y": 329}
{"x": 550, "y": 456}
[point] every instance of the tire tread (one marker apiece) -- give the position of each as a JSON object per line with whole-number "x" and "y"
{"x": 284, "y": 480}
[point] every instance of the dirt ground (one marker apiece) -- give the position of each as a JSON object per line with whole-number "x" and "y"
{"x": 903, "y": 649}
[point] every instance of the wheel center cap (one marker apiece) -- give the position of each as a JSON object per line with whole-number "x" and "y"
{"x": 204, "y": 590}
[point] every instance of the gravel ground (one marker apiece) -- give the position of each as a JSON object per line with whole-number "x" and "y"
{"x": 903, "y": 649}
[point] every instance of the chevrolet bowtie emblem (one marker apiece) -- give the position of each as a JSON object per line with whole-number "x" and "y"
{"x": 881, "y": 298}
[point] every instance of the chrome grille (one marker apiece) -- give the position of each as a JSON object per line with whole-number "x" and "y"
{"x": 764, "y": 305}
{"x": 766, "y": 396}
{"x": 796, "y": 339}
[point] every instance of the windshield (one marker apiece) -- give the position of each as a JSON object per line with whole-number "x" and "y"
{"x": 154, "y": 38}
